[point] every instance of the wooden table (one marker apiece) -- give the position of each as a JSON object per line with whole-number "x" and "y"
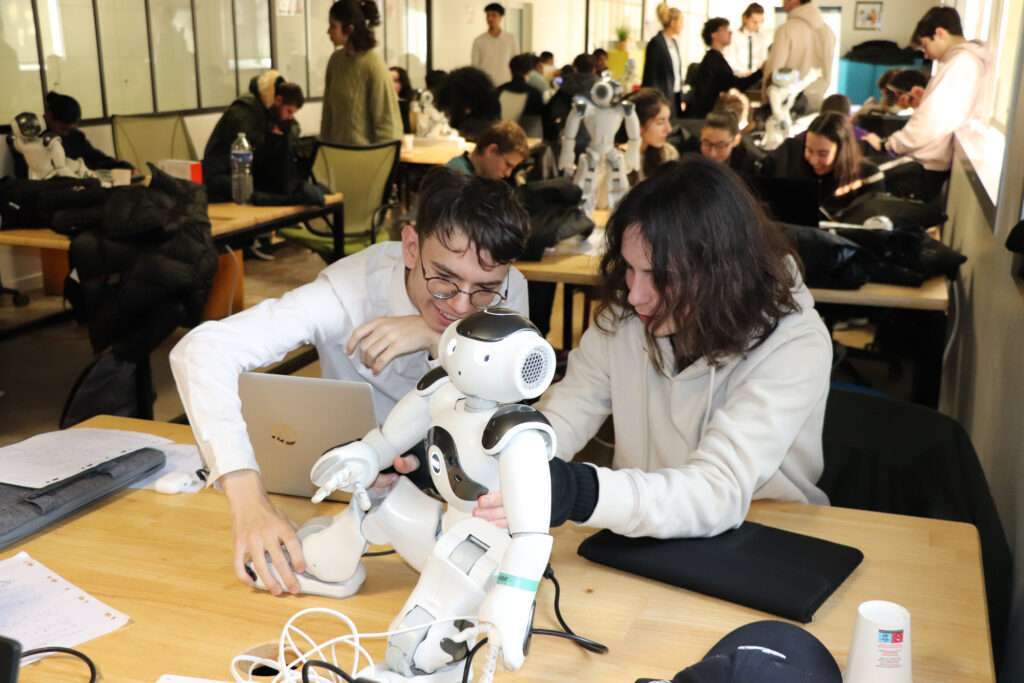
{"x": 581, "y": 270}
{"x": 231, "y": 225}
{"x": 439, "y": 153}
{"x": 166, "y": 562}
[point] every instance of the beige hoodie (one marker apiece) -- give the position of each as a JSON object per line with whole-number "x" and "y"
{"x": 957, "y": 93}
{"x": 804, "y": 42}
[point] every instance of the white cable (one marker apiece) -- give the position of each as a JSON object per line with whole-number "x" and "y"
{"x": 288, "y": 672}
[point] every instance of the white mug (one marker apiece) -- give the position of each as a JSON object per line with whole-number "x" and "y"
{"x": 408, "y": 141}
{"x": 120, "y": 176}
{"x": 880, "y": 650}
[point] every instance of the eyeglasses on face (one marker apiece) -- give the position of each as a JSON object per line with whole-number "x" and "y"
{"x": 443, "y": 289}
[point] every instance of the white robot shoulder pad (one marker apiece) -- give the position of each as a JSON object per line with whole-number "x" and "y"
{"x": 432, "y": 381}
{"x": 628, "y": 107}
{"x": 512, "y": 419}
{"x": 579, "y": 103}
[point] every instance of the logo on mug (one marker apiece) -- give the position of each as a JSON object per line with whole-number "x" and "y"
{"x": 893, "y": 637}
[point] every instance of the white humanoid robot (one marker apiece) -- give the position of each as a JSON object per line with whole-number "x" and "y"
{"x": 430, "y": 122}
{"x": 601, "y": 115}
{"x": 785, "y": 87}
{"x": 479, "y": 439}
{"x": 44, "y": 152}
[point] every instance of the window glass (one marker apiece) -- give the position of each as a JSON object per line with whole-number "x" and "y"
{"x": 320, "y": 47}
{"x": 69, "y": 47}
{"x": 252, "y": 27}
{"x": 290, "y": 41}
{"x": 19, "y": 61}
{"x": 216, "y": 53}
{"x": 125, "y": 56}
{"x": 174, "y": 54}
{"x": 405, "y": 37}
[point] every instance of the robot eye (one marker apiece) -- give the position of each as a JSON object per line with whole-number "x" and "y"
{"x": 451, "y": 346}
{"x": 483, "y": 356}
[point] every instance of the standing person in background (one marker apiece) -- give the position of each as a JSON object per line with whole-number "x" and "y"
{"x": 403, "y": 89}
{"x": 749, "y": 47}
{"x": 715, "y": 76}
{"x": 956, "y": 94}
{"x": 360, "y": 105}
{"x": 494, "y": 49}
{"x": 803, "y": 43}
{"x": 663, "y": 60}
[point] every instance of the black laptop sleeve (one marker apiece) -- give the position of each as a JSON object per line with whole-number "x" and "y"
{"x": 775, "y": 571}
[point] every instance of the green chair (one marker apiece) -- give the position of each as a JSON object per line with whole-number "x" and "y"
{"x": 365, "y": 175}
{"x": 151, "y": 138}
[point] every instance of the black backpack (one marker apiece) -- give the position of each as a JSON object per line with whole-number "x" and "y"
{"x": 110, "y": 386}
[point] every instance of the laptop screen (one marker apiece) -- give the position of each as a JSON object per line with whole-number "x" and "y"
{"x": 789, "y": 200}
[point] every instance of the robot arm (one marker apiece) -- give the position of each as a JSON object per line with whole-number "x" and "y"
{"x": 633, "y": 133}
{"x": 524, "y": 449}
{"x": 567, "y": 157}
{"x": 354, "y": 466}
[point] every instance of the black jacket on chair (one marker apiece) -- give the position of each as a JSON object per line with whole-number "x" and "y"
{"x": 658, "y": 67}
{"x": 903, "y": 458}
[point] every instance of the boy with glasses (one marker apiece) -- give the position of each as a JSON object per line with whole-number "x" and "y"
{"x": 375, "y": 316}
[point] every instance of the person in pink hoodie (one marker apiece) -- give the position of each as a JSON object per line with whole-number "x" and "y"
{"x": 955, "y": 94}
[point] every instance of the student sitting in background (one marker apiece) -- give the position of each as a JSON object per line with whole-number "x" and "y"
{"x": 600, "y": 56}
{"x": 468, "y": 98}
{"x": 537, "y": 79}
{"x": 62, "y": 114}
{"x": 653, "y": 111}
{"x": 714, "y": 75}
{"x": 886, "y": 104}
{"x": 840, "y": 104}
{"x": 720, "y": 141}
{"x": 738, "y": 104}
{"x": 498, "y": 151}
{"x": 522, "y": 66}
{"x": 907, "y": 88}
{"x": 266, "y": 114}
{"x": 827, "y": 152}
{"x": 708, "y": 355}
{"x": 406, "y": 95}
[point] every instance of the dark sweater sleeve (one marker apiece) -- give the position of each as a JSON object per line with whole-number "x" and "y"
{"x": 77, "y": 146}
{"x": 574, "y": 491}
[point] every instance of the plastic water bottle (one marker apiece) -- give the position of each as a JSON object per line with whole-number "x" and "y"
{"x": 241, "y": 170}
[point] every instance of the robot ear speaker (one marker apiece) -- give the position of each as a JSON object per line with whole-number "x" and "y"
{"x": 537, "y": 368}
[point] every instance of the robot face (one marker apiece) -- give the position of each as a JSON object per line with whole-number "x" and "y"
{"x": 26, "y": 125}
{"x": 426, "y": 98}
{"x": 605, "y": 92}
{"x": 497, "y": 355}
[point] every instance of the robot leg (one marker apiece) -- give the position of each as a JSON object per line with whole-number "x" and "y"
{"x": 407, "y": 519}
{"x": 586, "y": 177}
{"x": 618, "y": 181}
{"x": 453, "y": 583}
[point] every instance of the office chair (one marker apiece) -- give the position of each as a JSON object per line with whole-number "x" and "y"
{"x": 151, "y": 138}
{"x": 19, "y": 298}
{"x": 365, "y": 175}
{"x": 512, "y": 105}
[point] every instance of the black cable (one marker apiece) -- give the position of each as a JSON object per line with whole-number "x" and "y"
{"x": 66, "y": 651}
{"x": 379, "y": 553}
{"x": 316, "y": 663}
{"x": 469, "y": 660}
{"x": 584, "y": 642}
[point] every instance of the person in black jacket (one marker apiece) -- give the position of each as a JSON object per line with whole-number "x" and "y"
{"x": 715, "y": 76}
{"x": 828, "y": 152}
{"x": 266, "y": 114}
{"x": 720, "y": 140}
{"x": 521, "y": 66}
{"x": 62, "y": 114}
{"x": 663, "y": 61}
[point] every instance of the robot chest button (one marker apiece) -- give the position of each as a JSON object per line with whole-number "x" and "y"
{"x": 435, "y": 463}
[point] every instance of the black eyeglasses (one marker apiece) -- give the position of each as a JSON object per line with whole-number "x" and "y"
{"x": 442, "y": 288}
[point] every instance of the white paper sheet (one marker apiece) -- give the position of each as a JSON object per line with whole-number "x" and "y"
{"x": 180, "y": 458}
{"x": 39, "y": 608}
{"x": 47, "y": 458}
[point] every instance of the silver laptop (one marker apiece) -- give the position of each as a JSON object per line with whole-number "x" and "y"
{"x": 293, "y": 420}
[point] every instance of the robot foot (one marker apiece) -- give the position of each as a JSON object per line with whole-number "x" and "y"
{"x": 381, "y": 674}
{"x": 310, "y": 585}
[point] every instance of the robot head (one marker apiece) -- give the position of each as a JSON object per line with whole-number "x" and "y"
{"x": 498, "y": 355}
{"x": 426, "y": 99}
{"x": 606, "y": 91}
{"x": 26, "y": 126}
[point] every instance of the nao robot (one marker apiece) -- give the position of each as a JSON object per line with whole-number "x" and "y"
{"x": 785, "y": 87}
{"x": 479, "y": 439}
{"x": 44, "y": 152}
{"x": 431, "y": 122}
{"x": 601, "y": 115}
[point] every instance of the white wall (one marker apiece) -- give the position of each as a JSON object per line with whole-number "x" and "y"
{"x": 557, "y": 26}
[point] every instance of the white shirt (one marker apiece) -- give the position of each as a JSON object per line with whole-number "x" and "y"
{"x": 351, "y": 292}
{"x": 491, "y": 54}
{"x": 675, "y": 53}
{"x": 747, "y": 51}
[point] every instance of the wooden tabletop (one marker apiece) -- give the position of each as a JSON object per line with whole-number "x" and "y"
{"x": 582, "y": 269}
{"x": 166, "y": 562}
{"x": 438, "y": 153}
{"x": 225, "y": 218}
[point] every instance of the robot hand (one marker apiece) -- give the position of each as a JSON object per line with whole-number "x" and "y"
{"x": 508, "y": 614}
{"x": 351, "y": 467}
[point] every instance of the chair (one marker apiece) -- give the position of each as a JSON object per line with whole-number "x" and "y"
{"x": 892, "y": 456}
{"x": 19, "y": 298}
{"x": 512, "y": 105}
{"x": 151, "y": 138}
{"x": 365, "y": 175}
